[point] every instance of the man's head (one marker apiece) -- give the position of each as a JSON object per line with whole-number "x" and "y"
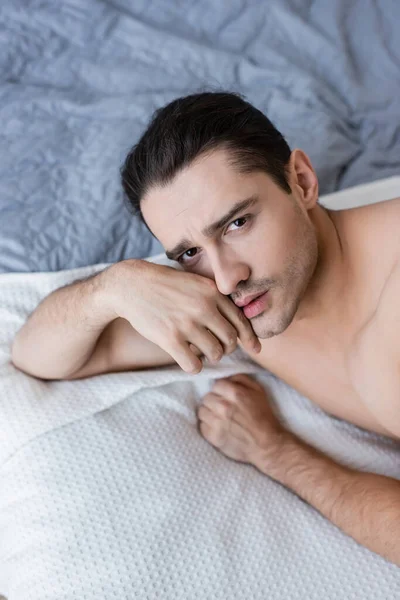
{"x": 219, "y": 187}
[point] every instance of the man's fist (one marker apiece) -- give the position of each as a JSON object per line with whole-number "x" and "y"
{"x": 236, "y": 418}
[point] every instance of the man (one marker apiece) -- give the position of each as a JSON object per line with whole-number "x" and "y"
{"x": 260, "y": 259}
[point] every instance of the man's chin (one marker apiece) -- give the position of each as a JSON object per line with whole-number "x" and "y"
{"x": 261, "y": 325}
{"x": 265, "y": 327}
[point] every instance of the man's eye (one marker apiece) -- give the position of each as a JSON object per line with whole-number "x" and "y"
{"x": 240, "y": 222}
{"x": 187, "y": 254}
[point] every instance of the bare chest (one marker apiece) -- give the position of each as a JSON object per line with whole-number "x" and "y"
{"x": 343, "y": 367}
{"x": 323, "y": 376}
{"x": 341, "y": 361}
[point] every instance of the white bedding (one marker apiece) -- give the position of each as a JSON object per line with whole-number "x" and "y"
{"x": 107, "y": 489}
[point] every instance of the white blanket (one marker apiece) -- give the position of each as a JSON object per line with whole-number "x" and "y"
{"x": 107, "y": 489}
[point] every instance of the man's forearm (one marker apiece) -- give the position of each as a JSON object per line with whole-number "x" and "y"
{"x": 364, "y": 505}
{"x": 61, "y": 333}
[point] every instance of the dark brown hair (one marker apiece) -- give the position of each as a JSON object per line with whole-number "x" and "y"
{"x": 193, "y": 125}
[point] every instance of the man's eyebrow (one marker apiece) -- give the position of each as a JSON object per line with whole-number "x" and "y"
{"x": 212, "y": 229}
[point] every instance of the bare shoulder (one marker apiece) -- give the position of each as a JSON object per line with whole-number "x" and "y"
{"x": 374, "y": 364}
{"x": 380, "y": 220}
{"x": 371, "y": 233}
{"x": 375, "y": 230}
{"x": 388, "y": 310}
{"x": 386, "y": 217}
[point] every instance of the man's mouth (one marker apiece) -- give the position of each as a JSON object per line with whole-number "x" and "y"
{"x": 248, "y": 299}
{"x": 256, "y": 305}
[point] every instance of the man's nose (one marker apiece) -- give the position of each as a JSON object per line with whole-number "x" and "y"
{"x": 228, "y": 273}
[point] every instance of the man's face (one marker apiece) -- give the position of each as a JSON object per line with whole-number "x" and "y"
{"x": 269, "y": 245}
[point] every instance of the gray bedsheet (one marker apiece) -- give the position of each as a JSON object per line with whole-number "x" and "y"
{"x": 80, "y": 79}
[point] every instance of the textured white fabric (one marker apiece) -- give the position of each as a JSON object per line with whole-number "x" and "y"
{"x": 107, "y": 489}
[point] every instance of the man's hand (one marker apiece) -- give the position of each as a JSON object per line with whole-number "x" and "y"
{"x": 237, "y": 419}
{"x": 183, "y": 313}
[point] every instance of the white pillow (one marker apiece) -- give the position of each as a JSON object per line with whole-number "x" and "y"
{"x": 367, "y": 193}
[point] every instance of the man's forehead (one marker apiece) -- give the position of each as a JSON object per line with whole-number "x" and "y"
{"x": 209, "y": 181}
{"x": 210, "y": 184}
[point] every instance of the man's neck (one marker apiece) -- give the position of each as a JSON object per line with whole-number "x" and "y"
{"x": 328, "y": 289}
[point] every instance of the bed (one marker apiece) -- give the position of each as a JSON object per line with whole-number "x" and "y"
{"x": 107, "y": 490}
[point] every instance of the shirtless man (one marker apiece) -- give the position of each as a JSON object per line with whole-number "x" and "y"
{"x": 218, "y": 185}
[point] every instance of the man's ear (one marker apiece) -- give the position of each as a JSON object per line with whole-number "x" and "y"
{"x": 303, "y": 178}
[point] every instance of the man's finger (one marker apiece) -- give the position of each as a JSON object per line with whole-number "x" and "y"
{"x": 242, "y": 325}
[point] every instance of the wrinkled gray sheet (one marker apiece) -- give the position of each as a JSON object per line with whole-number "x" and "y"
{"x": 80, "y": 79}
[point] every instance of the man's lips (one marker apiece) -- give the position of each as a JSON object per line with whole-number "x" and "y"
{"x": 248, "y": 299}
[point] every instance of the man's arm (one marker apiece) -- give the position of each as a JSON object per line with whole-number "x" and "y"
{"x": 61, "y": 333}
{"x": 237, "y": 418}
{"x": 364, "y": 505}
{"x": 121, "y": 348}
{"x": 75, "y": 333}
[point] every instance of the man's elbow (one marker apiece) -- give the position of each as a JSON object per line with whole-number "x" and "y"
{"x": 33, "y": 370}
{"x": 30, "y": 363}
